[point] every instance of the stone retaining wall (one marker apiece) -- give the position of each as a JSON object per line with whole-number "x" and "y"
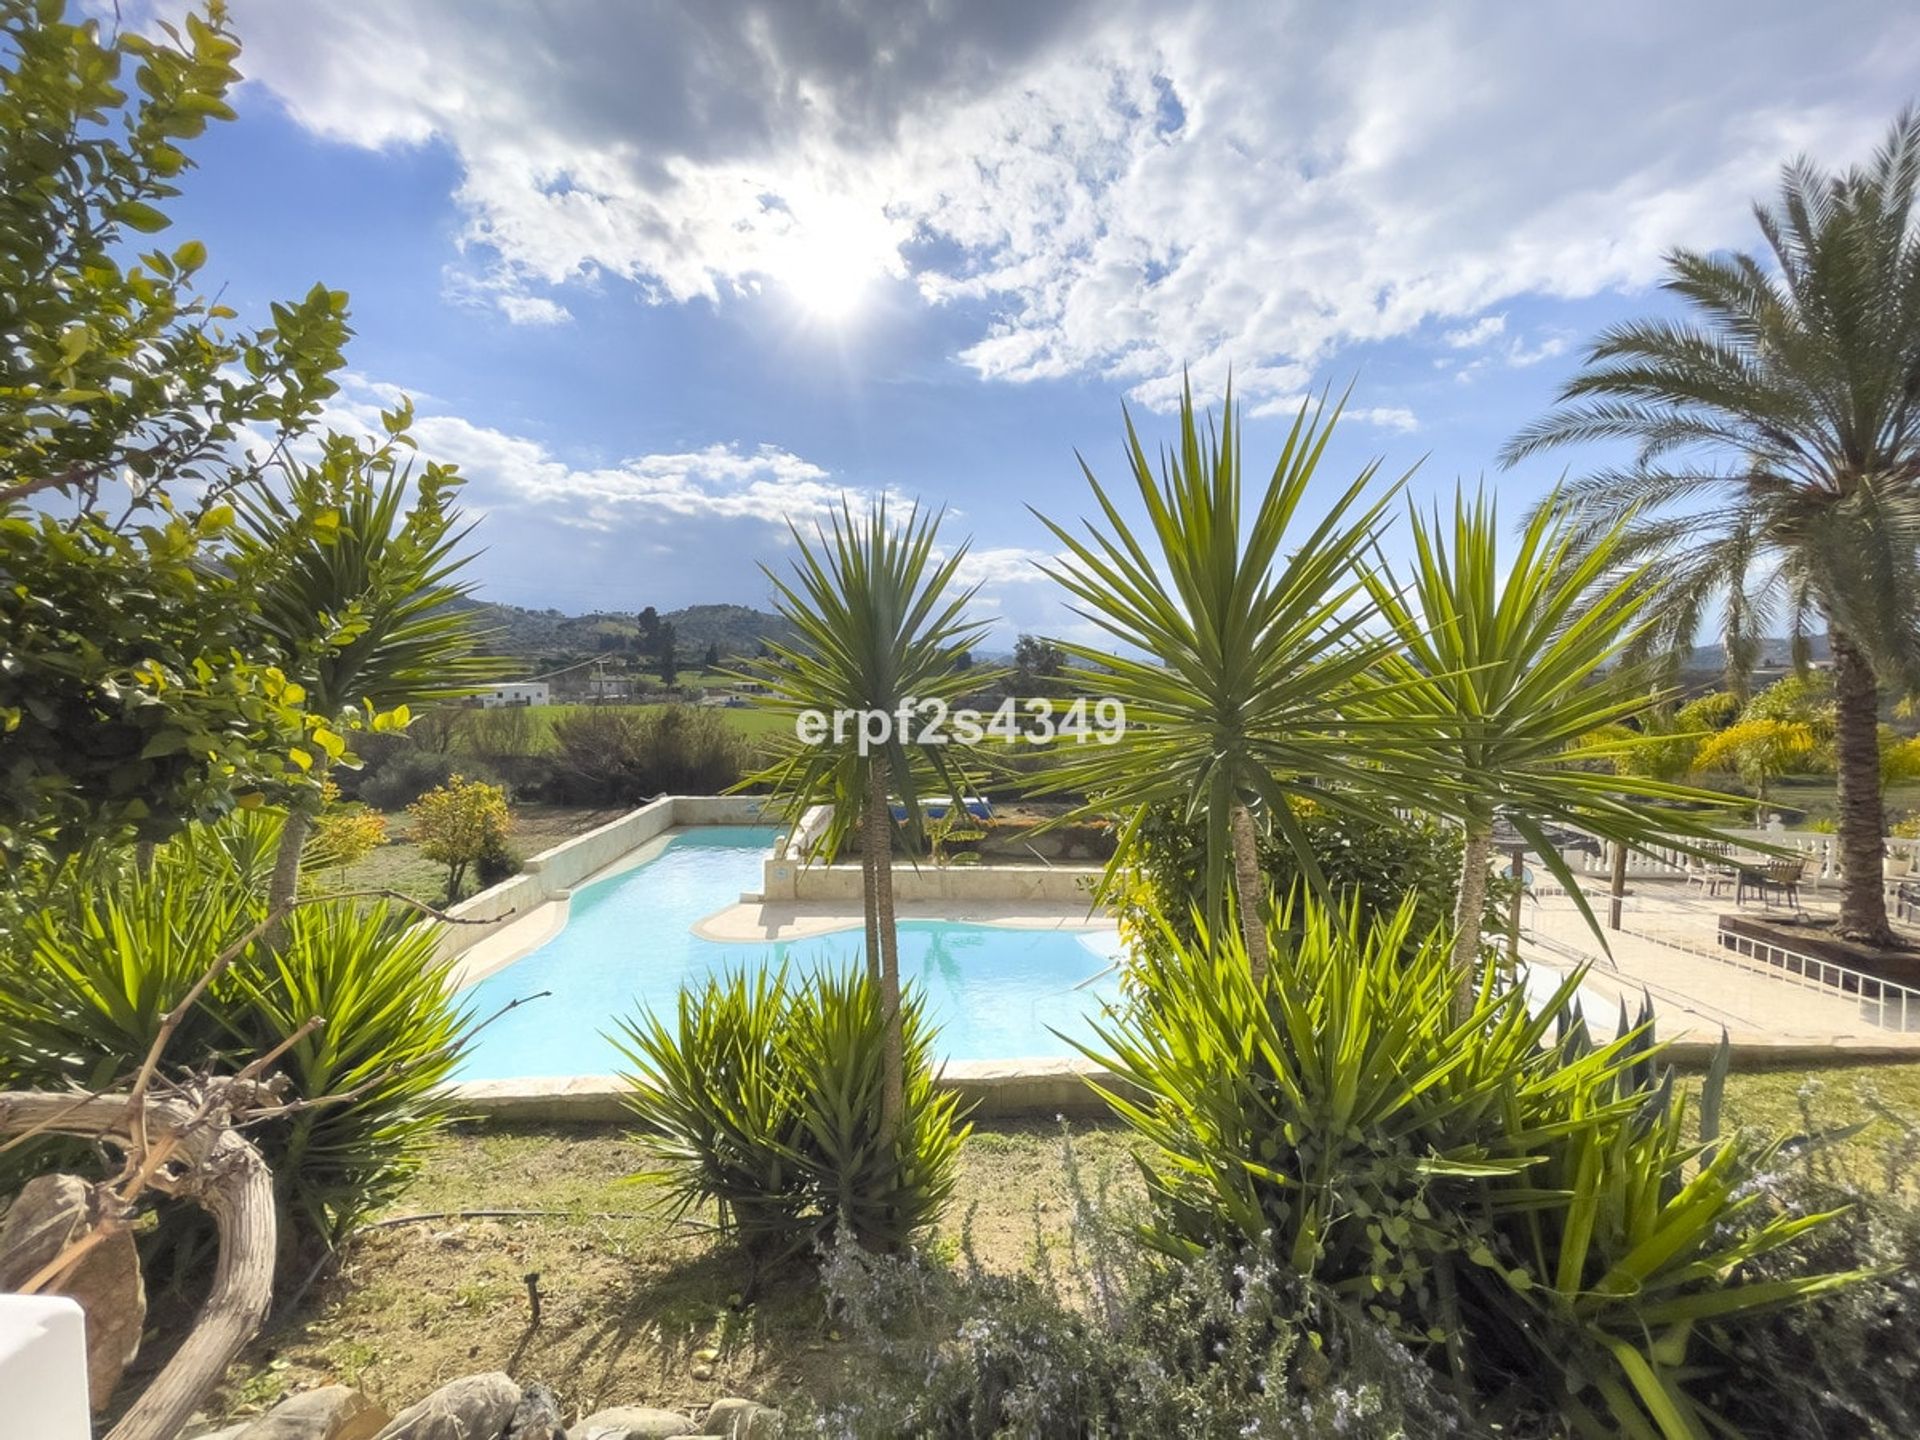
{"x": 789, "y": 880}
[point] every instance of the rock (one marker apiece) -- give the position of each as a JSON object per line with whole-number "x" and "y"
{"x": 743, "y": 1420}
{"x": 49, "y": 1213}
{"x": 702, "y": 1370}
{"x": 477, "y": 1407}
{"x": 331, "y": 1412}
{"x": 632, "y": 1422}
{"x": 537, "y": 1416}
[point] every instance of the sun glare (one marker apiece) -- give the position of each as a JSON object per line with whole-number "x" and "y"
{"x": 829, "y": 265}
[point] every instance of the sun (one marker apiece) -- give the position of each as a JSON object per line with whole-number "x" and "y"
{"x": 830, "y": 261}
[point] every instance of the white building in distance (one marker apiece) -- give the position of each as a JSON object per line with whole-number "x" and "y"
{"x": 514, "y": 692}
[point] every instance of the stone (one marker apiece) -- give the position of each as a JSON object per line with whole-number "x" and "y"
{"x": 330, "y": 1412}
{"x": 49, "y": 1213}
{"x": 633, "y": 1422}
{"x": 537, "y": 1416}
{"x": 476, "y": 1407}
{"x": 743, "y": 1420}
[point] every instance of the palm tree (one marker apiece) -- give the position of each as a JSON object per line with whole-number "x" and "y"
{"x": 357, "y": 599}
{"x": 1235, "y": 659}
{"x": 1777, "y": 473}
{"x": 1506, "y": 668}
{"x": 878, "y": 623}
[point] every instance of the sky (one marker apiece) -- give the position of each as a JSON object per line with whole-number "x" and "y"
{"x": 660, "y": 277}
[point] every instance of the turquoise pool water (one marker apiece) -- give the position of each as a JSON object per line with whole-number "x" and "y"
{"x": 628, "y": 943}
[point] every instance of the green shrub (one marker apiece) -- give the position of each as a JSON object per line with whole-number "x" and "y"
{"x": 1529, "y": 1214}
{"x": 1381, "y": 864}
{"x": 624, "y": 755}
{"x": 1104, "y": 1339}
{"x": 87, "y": 981}
{"x": 765, "y": 1096}
{"x": 407, "y": 773}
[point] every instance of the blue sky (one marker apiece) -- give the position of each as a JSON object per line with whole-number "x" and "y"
{"x": 656, "y": 275}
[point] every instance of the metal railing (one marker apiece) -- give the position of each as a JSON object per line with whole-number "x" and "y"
{"x": 1820, "y": 851}
{"x": 1890, "y": 1005}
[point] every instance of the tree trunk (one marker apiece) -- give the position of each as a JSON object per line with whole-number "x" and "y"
{"x": 893, "y": 1057}
{"x": 1468, "y": 913}
{"x": 1249, "y": 890}
{"x": 1861, "y": 823}
{"x": 875, "y": 844}
{"x": 285, "y": 884}
{"x": 226, "y": 1177}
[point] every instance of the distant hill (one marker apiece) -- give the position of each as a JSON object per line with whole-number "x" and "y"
{"x": 1774, "y": 654}
{"x": 736, "y": 629}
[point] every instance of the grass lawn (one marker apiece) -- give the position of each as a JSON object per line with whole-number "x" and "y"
{"x": 750, "y": 720}
{"x": 627, "y": 1302}
{"x": 1814, "y": 795}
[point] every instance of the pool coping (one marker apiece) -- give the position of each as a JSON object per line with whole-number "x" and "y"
{"x": 993, "y": 1089}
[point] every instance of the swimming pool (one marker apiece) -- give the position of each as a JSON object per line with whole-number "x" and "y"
{"x": 994, "y": 992}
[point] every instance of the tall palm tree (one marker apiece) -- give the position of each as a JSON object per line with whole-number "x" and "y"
{"x": 357, "y": 597}
{"x": 1235, "y": 654}
{"x": 878, "y": 620}
{"x": 1505, "y": 668}
{"x": 1777, "y": 426}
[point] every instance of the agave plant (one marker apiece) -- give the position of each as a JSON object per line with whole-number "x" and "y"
{"x": 1518, "y": 1202}
{"x": 879, "y": 621}
{"x": 1241, "y": 632}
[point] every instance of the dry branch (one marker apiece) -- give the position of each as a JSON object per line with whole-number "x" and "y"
{"x": 209, "y": 1164}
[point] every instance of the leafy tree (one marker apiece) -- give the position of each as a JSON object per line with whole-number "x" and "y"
{"x": 1237, "y": 656}
{"x": 1037, "y": 664}
{"x": 129, "y": 699}
{"x": 1509, "y": 669}
{"x": 1777, "y": 471}
{"x": 878, "y": 620}
{"x": 459, "y": 824}
{"x": 357, "y": 596}
{"x": 666, "y": 654}
{"x": 1759, "y": 751}
{"x": 711, "y": 660}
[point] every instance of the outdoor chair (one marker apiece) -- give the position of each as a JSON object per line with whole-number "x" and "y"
{"x": 1775, "y": 877}
{"x": 1709, "y": 876}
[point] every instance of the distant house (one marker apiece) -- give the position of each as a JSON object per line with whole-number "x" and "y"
{"x": 515, "y": 692}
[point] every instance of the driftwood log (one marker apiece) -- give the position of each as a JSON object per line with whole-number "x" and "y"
{"x": 189, "y": 1150}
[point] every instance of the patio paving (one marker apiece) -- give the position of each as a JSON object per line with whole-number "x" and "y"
{"x": 1667, "y": 949}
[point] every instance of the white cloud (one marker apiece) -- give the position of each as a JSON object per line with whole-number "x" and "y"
{"x": 1119, "y": 189}
{"x": 1470, "y": 337}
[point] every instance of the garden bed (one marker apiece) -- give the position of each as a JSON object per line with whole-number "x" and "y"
{"x": 633, "y": 1302}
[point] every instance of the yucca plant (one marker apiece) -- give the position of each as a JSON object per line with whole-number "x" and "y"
{"x": 879, "y": 620}
{"x": 1505, "y": 665}
{"x": 394, "y": 1033}
{"x": 358, "y": 598}
{"x": 1516, "y": 1201}
{"x": 86, "y": 986}
{"x": 1240, "y": 631}
{"x": 767, "y": 1099}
